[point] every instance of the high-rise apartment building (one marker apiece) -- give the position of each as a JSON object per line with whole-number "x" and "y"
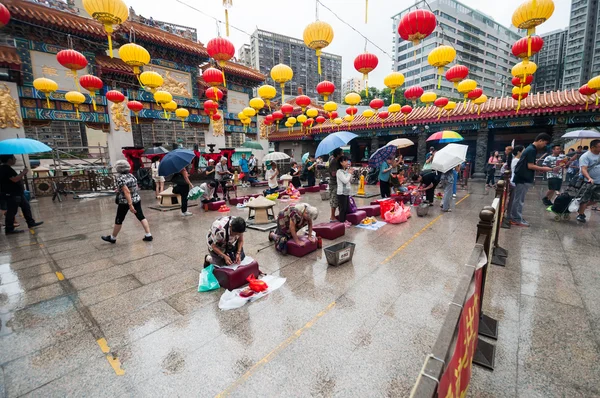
{"x": 268, "y": 49}
{"x": 481, "y": 44}
{"x": 582, "y": 58}
{"x": 550, "y": 62}
{"x": 354, "y": 84}
{"x": 244, "y": 56}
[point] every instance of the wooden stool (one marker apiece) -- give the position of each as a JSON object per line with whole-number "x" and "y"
{"x": 169, "y": 199}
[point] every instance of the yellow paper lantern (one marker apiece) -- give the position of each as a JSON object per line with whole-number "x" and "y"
{"x": 151, "y": 80}
{"x": 330, "y": 106}
{"x": 257, "y": 104}
{"x": 109, "y": 13}
{"x": 46, "y": 86}
{"x": 267, "y": 93}
{"x": 76, "y": 98}
{"x": 524, "y": 69}
{"x": 393, "y": 81}
{"x": 428, "y": 98}
{"x": 338, "y": 121}
{"x": 291, "y": 120}
{"x": 163, "y": 97}
{"x": 368, "y": 114}
{"x": 465, "y": 87}
{"x": 348, "y": 118}
{"x": 182, "y": 114}
{"x": 394, "y": 108}
{"x": 317, "y": 36}
{"x": 242, "y": 116}
{"x": 530, "y": 14}
{"x": 593, "y": 83}
{"x": 301, "y": 118}
{"x": 520, "y": 92}
{"x": 440, "y": 57}
{"x": 479, "y": 102}
{"x": 134, "y": 56}
{"x": 282, "y": 74}
{"x": 249, "y": 112}
{"x": 352, "y": 99}
{"x": 312, "y": 112}
{"x": 450, "y": 106}
{"x": 169, "y": 107}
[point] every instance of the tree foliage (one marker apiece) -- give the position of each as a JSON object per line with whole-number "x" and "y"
{"x": 385, "y": 95}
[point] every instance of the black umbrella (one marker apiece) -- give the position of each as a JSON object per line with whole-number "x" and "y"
{"x": 157, "y": 150}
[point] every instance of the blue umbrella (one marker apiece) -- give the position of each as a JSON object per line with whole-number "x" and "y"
{"x": 22, "y": 146}
{"x": 381, "y": 155}
{"x": 334, "y": 141}
{"x": 174, "y": 161}
{"x": 305, "y": 157}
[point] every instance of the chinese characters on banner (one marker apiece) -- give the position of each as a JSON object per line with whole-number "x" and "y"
{"x": 456, "y": 378}
{"x": 236, "y": 101}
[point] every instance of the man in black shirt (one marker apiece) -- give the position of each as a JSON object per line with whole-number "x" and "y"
{"x": 11, "y": 189}
{"x": 524, "y": 175}
{"x": 428, "y": 180}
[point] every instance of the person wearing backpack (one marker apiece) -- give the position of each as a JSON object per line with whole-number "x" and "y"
{"x": 590, "y": 171}
{"x": 524, "y": 176}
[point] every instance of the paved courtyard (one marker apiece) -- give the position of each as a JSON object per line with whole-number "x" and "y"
{"x": 81, "y": 317}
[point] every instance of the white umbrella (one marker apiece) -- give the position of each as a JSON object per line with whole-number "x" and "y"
{"x": 401, "y": 142}
{"x": 275, "y": 156}
{"x": 582, "y": 134}
{"x": 449, "y": 157}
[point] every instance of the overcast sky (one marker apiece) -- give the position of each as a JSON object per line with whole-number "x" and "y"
{"x": 289, "y": 17}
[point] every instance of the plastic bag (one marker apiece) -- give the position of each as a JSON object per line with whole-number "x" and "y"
{"x": 397, "y": 215}
{"x": 208, "y": 281}
{"x": 574, "y": 205}
{"x": 231, "y": 299}
{"x": 195, "y": 193}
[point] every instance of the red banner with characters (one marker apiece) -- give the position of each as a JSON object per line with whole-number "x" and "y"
{"x": 455, "y": 380}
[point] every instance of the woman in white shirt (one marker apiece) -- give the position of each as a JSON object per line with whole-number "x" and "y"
{"x": 159, "y": 181}
{"x": 271, "y": 176}
{"x": 343, "y": 178}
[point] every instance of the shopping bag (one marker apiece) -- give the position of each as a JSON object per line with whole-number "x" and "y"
{"x": 574, "y": 205}
{"x": 208, "y": 281}
{"x": 195, "y": 193}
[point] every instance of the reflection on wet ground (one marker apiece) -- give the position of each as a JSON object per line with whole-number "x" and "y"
{"x": 76, "y": 311}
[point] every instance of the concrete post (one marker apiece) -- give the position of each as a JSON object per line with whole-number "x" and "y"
{"x": 481, "y": 152}
{"x": 11, "y": 131}
{"x": 374, "y": 144}
{"x": 558, "y": 130}
{"x": 422, "y": 147}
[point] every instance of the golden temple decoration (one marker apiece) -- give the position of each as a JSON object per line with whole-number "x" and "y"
{"x": 117, "y": 111}
{"x": 174, "y": 86}
{"x": 264, "y": 130}
{"x": 218, "y": 126}
{"x": 9, "y": 109}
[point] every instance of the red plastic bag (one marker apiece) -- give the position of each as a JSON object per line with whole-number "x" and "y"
{"x": 256, "y": 284}
{"x": 398, "y": 215}
{"x": 241, "y": 175}
{"x": 385, "y": 206}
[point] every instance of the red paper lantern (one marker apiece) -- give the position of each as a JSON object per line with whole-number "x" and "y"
{"x": 333, "y": 115}
{"x": 308, "y": 122}
{"x": 320, "y": 119}
{"x": 92, "y": 84}
{"x": 473, "y": 95}
{"x": 406, "y": 109}
{"x": 135, "y": 107}
{"x": 4, "y": 15}
{"x": 213, "y": 77}
{"x": 214, "y": 93}
{"x": 325, "y": 89}
{"x": 365, "y": 63}
{"x": 73, "y": 60}
{"x": 115, "y": 96}
{"x": 517, "y": 81}
{"x": 441, "y": 102}
{"x": 287, "y": 109}
{"x": 588, "y": 92}
{"x": 527, "y": 47}
{"x": 210, "y": 107}
{"x": 351, "y": 111}
{"x": 269, "y": 119}
{"x": 416, "y": 25}
{"x": 457, "y": 73}
{"x": 523, "y": 96}
{"x": 376, "y": 104}
{"x": 216, "y": 117}
{"x": 413, "y": 93}
{"x": 277, "y": 116}
{"x": 383, "y": 115}
{"x": 303, "y": 101}
{"x": 221, "y": 50}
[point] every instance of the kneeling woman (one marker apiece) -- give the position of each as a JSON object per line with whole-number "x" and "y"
{"x": 289, "y": 221}
{"x": 226, "y": 241}
{"x": 128, "y": 199}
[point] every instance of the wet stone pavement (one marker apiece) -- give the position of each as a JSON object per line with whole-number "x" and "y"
{"x": 81, "y": 317}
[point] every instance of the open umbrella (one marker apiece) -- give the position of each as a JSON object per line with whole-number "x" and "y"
{"x": 252, "y": 145}
{"x": 155, "y": 150}
{"x": 305, "y": 157}
{"x": 401, "y": 143}
{"x": 381, "y": 155}
{"x": 275, "y": 156}
{"x": 174, "y": 161}
{"x": 334, "y": 141}
{"x": 449, "y": 157}
{"x": 582, "y": 134}
{"x": 445, "y": 137}
{"x": 22, "y": 146}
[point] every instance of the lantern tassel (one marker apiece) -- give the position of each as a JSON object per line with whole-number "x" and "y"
{"x": 166, "y": 116}
{"x": 223, "y": 74}
{"x": 440, "y": 114}
{"x": 586, "y": 102}
{"x": 227, "y": 22}
{"x": 405, "y": 118}
{"x": 479, "y": 110}
{"x": 282, "y": 93}
{"x": 137, "y": 121}
{"x": 48, "y": 100}
{"x": 94, "y": 103}
{"x": 319, "y": 62}
{"x": 393, "y": 92}
{"x": 596, "y": 99}
{"x": 440, "y": 72}
{"x": 77, "y": 111}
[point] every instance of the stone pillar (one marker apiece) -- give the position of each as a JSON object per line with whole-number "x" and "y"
{"x": 120, "y": 131}
{"x": 8, "y": 127}
{"x": 481, "y": 152}
{"x": 218, "y": 141}
{"x": 422, "y": 147}
{"x": 558, "y": 130}
{"x": 374, "y": 144}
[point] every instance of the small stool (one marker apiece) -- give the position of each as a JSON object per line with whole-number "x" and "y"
{"x": 213, "y": 206}
{"x": 330, "y": 230}
{"x": 230, "y": 279}
{"x": 169, "y": 199}
{"x": 402, "y": 198}
{"x": 372, "y": 210}
{"x": 356, "y": 218}
{"x": 259, "y": 184}
{"x": 301, "y": 251}
{"x": 323, "y": 187}
{"x": 314, "y": 188}
{"x": 302, "y": 191}
{"x": 237, "y": 201}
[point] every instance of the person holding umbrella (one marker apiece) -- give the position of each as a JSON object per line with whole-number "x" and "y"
{"x": 128, "y": 200}
{"x": 174, "y": 164}
{"x": 13, "y": 193}
{"x": 384, "y": 159}
{"x": 182, "y": 187}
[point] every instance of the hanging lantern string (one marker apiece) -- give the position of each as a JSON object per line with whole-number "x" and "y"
{"x": 210, "y": 16}
{"x": 366, "y": 10}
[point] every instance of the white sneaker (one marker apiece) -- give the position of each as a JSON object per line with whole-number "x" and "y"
{"x": 454, "y": 195}
{"x": 186, "y": 214}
